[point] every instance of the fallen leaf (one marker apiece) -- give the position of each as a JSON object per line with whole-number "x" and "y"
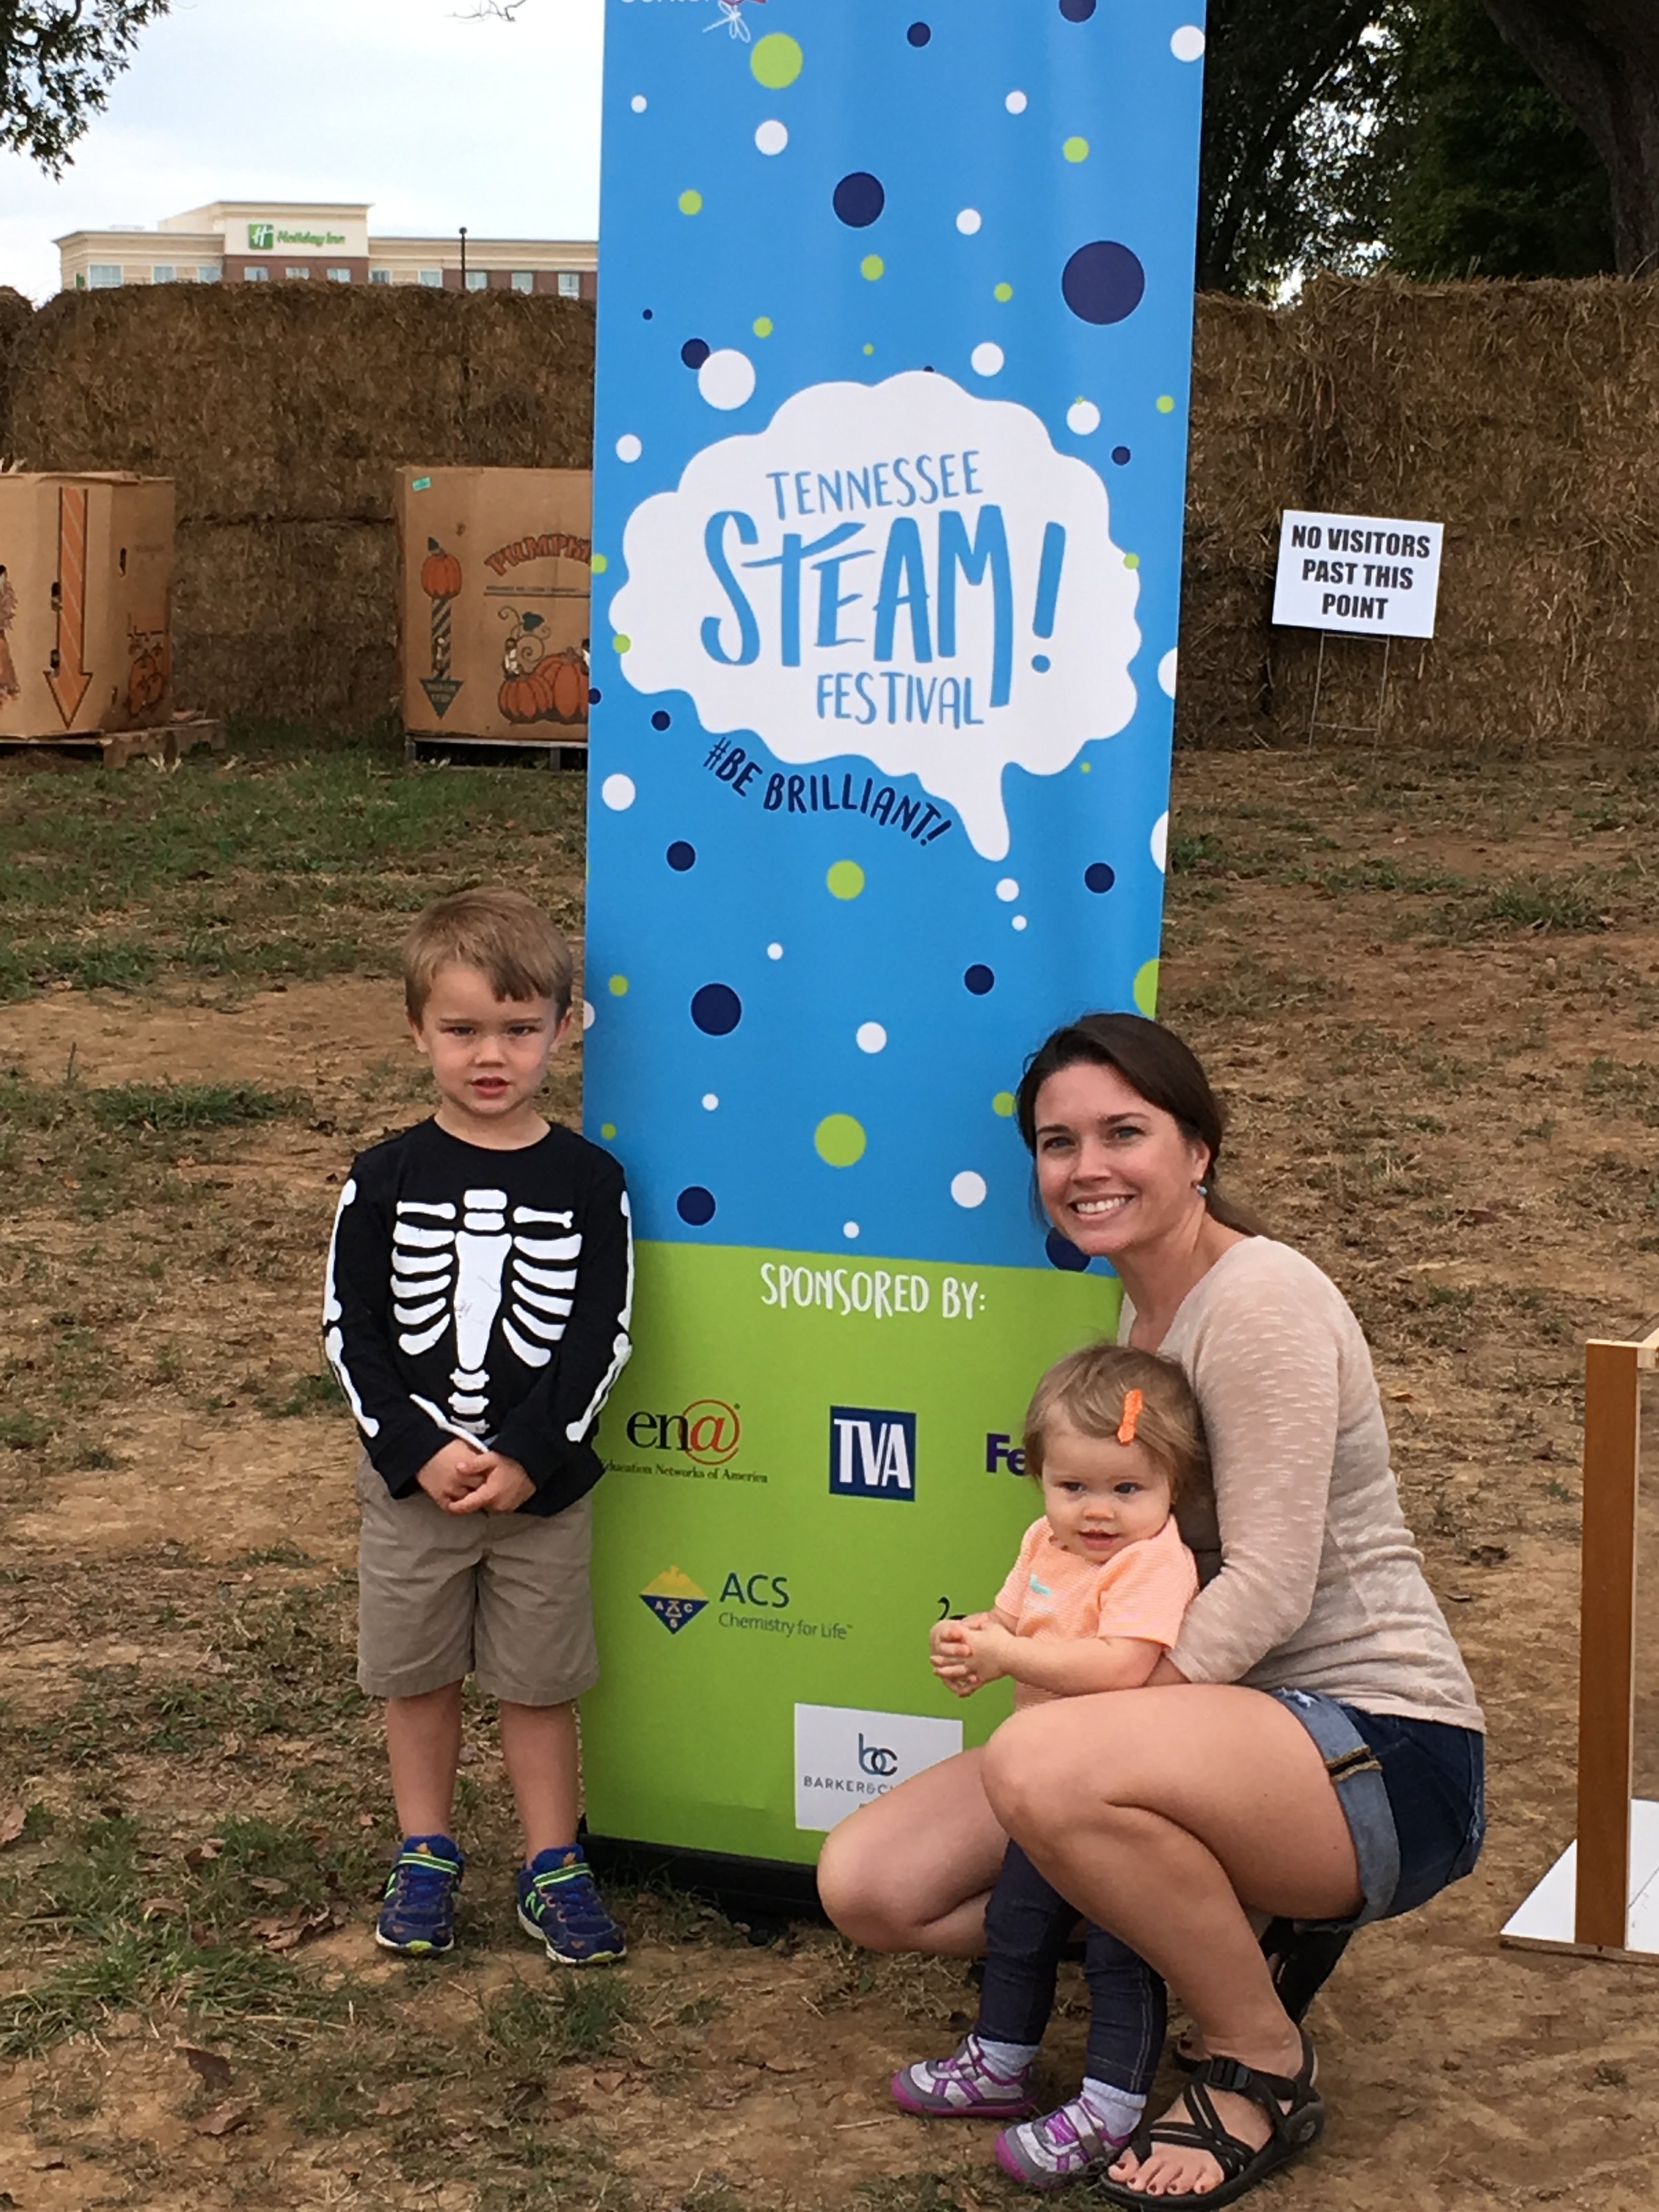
{"x": 286, "y": 1931}
{"x": 268, "y": 1886}
{"x": 610, "y": 2080}
{"x": 209, "y": 1848}
{"x": 208, "y": 2065}
{"x": 165, "y": 1908}
{"x": 781, "y": 2065}
{"x": 44, "y": 2165}
{"x": 572, "y": 2108}
{"x": 1487, "y": 1555}
{"x": 12, "y": 1821}
{"x": 224, "y": 2119}
{"x": 394, "y": 2103}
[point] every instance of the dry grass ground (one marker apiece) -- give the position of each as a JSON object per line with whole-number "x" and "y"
{"x": 1430, "y": 993}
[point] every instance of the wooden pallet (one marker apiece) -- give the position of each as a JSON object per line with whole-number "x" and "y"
{"x": 166, "y": 743}
{"x": 495, "y": 752}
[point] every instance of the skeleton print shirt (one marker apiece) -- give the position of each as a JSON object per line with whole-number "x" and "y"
{"x": 482, "y": 1294}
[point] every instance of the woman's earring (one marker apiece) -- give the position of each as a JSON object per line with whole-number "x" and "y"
{"x": 1202, "y": 1189}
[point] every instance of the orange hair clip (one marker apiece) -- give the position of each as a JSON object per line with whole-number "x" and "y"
{"x": 1133, "y": 1401}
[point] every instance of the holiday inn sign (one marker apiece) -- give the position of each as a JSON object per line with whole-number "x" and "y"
{"x": 265, "y": 238}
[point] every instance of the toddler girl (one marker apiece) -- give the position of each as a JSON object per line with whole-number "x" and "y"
{"x": 1094, "y": 1601}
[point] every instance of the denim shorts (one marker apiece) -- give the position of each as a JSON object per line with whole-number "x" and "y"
{"x": 1412, "y": 1792}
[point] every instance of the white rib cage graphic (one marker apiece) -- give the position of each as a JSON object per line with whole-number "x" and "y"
{"x": 472, "y": 1265}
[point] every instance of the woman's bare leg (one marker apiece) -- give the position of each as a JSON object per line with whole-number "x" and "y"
{"x": 1165, "y": 1816}
{"x": 911, "y": 1871}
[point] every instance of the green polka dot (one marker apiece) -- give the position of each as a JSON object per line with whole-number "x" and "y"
{"x": 619, "y": 643}
{"x": 869, "y": 348}
{"x": 840, "y": 1140}
{"x": 1165, "y": 403}
{"x": 1146, "y": 989}
{"x": 1003, "y": 292}
{"x": 1003, "y": 1103}
{"x": 845, "y": 879}
{"x": 619, "y": 986}
{"x": 599, "y": 564}
{"x": 1076, "y": 150}
{"x": 872, "y": 266}
{"x": 607, "y": 1130}
{"x": 1086, "y": 767}
{"x": 690, "y": 203}
{"x": 761, "y": 326}
{"x": 1131, "y": 560}
{"x": 775, "y": 61}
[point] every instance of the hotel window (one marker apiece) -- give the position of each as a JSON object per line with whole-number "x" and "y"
{"x": 209, "y": 273}
{"x": 163, "y": 273}
{"x": 570, "y": 284}
{"x": 524, "y": 280}
{"x": 102, "y": 276}
{"x": 257, "y": 276}
{"x": 339, "y": 276}
{"x": 297, "y": 269}
{"x": 432, "y": 276}
{"x": 477, "y": 280}
{"x": 379, "y": 276}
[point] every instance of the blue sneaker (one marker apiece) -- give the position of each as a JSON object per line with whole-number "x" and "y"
{"x": 418, "y": 1916}
{"x": 559, "y": 1906}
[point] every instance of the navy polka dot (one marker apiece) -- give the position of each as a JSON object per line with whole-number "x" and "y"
{"x": 716, "y": 1009}
{"x": 695, "y": 1206}
{"x": 1077, "y": 11}
{"x": 918, "y": 34}
{"x": 661, "y": 718}
{"x": 1102, "y": 281}
{"x": 1099, "y": 877}
{"x": 980, "y": 980}
{"x": 644, "y": 315}
{"x": 682, "y": 856}
{"x": 1119, "y": 454}
{"x": 858, "y": 199}
{"x": 694, "y": 352}
{"x": 594, "y": 695}
{"x": 1062, "y": 1253}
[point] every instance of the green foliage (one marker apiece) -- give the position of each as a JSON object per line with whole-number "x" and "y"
{"x": 170, "y": 1106}
{"x": 56, "y": 64}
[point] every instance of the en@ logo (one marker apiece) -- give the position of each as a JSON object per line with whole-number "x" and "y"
{"x": 846, "y": 1755}
{"x": 707, "y": 1432}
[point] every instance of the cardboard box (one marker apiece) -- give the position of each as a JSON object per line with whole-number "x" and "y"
{"x": 495, "y": 584}
{"x": 86, "y": 604}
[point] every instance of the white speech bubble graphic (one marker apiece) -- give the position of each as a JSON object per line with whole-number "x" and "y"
{"x": 901, "y": 571}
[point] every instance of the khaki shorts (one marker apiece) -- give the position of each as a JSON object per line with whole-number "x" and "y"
{"x": 501, "y": 1596}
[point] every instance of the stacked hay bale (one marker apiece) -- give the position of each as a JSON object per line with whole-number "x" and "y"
{"x": 281, "y": 412}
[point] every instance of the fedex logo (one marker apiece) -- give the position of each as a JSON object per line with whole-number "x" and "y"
{"x": 872, "y": 1453}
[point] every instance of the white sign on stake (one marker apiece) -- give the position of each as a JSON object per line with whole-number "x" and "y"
{"x": 1368, "y": 575}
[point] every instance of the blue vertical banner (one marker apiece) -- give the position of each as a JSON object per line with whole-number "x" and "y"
{"x": 894, "y": 327}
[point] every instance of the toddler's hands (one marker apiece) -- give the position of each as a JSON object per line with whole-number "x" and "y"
{"x": 986, "y": 1649}
{"x": 451, "y": 1472}
{"x": 504, "y": 1488}
{"x": 947, "y": 1651}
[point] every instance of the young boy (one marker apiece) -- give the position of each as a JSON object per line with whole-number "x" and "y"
{"x": 476, "y": 1312}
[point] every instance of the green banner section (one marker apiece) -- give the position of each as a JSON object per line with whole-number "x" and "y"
{"x": 811, "y": 1459}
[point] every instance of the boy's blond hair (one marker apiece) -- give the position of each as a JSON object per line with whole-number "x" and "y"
{"x": 1086, "y": 1391}
{"x": 506, "y": 937}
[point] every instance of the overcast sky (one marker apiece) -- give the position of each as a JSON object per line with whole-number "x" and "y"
{"x": 437, "y": 118}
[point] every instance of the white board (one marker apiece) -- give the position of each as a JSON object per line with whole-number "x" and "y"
{"x": 1370, "y": 576}
{"x": 1544, "y": 1921}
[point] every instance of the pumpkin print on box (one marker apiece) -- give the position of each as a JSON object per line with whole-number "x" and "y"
{"x": 539, "y": 686}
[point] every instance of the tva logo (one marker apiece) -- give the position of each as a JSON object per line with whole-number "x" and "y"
{"x": 707, "y": 1432}
{"x": 872, "y": 1454}
{"x": 261, "y": 237}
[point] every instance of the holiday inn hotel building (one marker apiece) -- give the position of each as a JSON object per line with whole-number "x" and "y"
{"x": 255, "y": 242}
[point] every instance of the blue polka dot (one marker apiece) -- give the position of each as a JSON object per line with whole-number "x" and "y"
{"x": 694, "y": 352}
{"x": 1041, "y": 662}
{"x": 980, "y": 980}
{"x": 682, "y": 856}
{"x": 695, "y": 1206}
{"x": 1102, "y": 281}
{"x": 1119, "y": 454}
{"x": 859, "y": 199}
{"x": 594, "y": 695}
{"x": 1099, "y": 877}
{"x": 645, "y": 314}
{"x": 1077, "y": 11}
{"x": 918, "y": 34}
{"x": 1062, "y": 1253}
{"x": 717, "y": 1010}
{"x": 661, "y": 718}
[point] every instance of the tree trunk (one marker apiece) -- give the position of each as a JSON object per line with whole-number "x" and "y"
{"x": 1601, "y": 59}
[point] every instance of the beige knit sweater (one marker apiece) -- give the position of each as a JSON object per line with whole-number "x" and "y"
{"x": 1319, "y": 1586}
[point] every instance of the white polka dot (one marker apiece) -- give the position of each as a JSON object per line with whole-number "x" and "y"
{"x": 638, "y": 103}
{"x": 986, "y": 359}
{"x": 618, "y": 792}
{"x": 774, "y": 952}
{"x": 968, "y": 222}
{"x": 1187, "y": 44}
{"x": 1082, "y": 418}
{"x": 871, "y": 1037}
{"x": 1007, "y": 890}
{"x": 772, "y": 137}
{"x": 1015, "y": 103}
{"x": 628, "y": 448}
{"x": 1020, "y": 922}
{"x": 1160, "y": 842}
{"x": 587, "y": 1015}
{"x": 709, "y": 1101}
{"x": 1166, "y": 672}
{"x": 849, "y": 1229}
{"x": 967, "y": 1189}
{"x": 726, "y": 379}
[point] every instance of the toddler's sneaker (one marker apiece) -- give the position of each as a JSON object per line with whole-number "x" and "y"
{"x": 964, "y": 2084}
{"x": 559, "y": 1906}
{"x": 1060, "y": 2148}
{"x": 417, "y": 1917}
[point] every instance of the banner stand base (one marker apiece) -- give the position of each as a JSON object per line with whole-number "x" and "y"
{"x": 763, "y": 1895}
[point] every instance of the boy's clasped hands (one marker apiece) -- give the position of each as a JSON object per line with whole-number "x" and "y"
{"x": 464, "y": 1478}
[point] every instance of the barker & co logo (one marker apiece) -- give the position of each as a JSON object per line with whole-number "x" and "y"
{"x": 872, "y": 1453}
{"x": 707, "y": 1432}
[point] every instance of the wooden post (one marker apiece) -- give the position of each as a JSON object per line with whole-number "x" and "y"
{"x": 1607, "y": 1666}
